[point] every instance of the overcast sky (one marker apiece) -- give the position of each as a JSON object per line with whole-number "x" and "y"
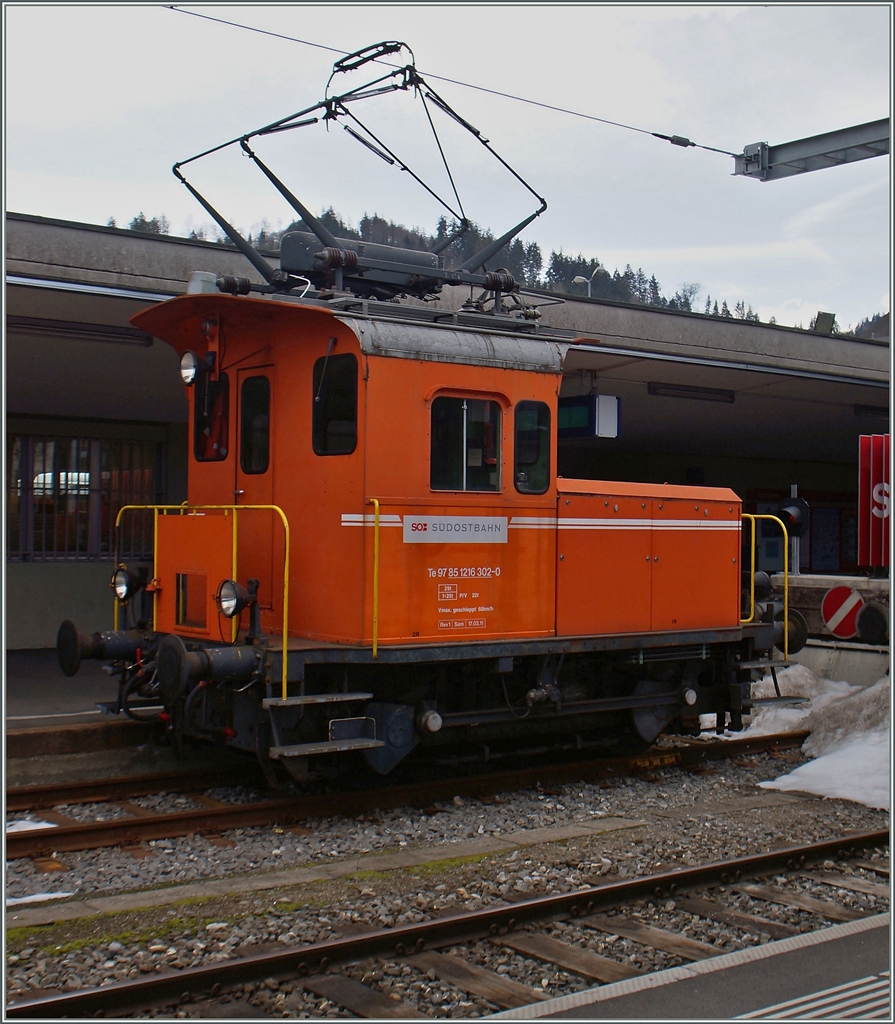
{"x": 102, "y": 100}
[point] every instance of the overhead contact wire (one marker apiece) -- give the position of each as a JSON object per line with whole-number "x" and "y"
{"x": 675, "y": 140}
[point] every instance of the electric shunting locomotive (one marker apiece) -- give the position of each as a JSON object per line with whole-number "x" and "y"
{"x": 377, "y": 556}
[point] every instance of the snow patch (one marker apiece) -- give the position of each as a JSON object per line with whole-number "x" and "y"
{"x": 38, "y": 897}
{"x": 28, "y": 826}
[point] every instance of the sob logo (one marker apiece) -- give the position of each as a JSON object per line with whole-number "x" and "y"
{"x": 455, "y": 529}
{"x": 880, "y": 506}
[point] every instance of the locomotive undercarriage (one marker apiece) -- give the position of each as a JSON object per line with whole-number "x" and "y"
{"x": 344, "y": 707}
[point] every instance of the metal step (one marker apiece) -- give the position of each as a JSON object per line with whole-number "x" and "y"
{"x": 313, "y": 698}
{"x": 765, "y": 663}
{"x": 326, "y": 747}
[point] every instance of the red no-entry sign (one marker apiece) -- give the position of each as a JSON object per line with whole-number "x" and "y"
{"x": 839, "y": 609}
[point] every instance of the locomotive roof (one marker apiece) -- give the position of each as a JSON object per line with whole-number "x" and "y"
{"x": 382, "y": 329}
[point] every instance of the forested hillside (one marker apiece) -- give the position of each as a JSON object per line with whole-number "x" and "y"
{"x": 525, "y": 261}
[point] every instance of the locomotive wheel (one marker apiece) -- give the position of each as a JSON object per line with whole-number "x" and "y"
{"x": 649, "y": 722}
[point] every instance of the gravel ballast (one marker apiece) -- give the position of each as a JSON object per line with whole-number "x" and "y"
{"x": 688, "y": 818}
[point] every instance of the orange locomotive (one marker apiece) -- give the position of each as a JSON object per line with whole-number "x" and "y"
{"x": 377, "y": 554}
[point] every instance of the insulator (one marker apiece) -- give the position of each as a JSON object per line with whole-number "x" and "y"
{"x": 500, "y": 281}
{"x": 234, "y": 285}
{"x": 330, "y": 258}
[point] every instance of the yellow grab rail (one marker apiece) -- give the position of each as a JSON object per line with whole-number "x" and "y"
{"x": 782, "y": 526}
{"x": 375, "y": 503}
{"x": 184, "y": 509}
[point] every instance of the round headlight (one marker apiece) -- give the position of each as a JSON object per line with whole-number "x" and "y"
{"x": 124, "y": 583}
{"x": 189, "y": 367}
{"x": 231, "y": 598}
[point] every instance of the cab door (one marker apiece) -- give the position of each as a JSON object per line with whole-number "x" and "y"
{"x": 254, "y": 482}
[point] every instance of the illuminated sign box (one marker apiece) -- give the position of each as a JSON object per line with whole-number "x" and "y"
{"x": 588, "y": 416}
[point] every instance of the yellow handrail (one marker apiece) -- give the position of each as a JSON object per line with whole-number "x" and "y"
{"x": 782, "y": 526}
{"x": 375, "y": 503}
{"x": 184, "y": 508}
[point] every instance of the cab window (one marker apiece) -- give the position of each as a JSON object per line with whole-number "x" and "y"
{"x": 211, "y": 418}
{"x": 465, "y": 445}
{"x": 335, "y": 405}
{"x": 254, "y": 441}
{"x": 531, "y": 458}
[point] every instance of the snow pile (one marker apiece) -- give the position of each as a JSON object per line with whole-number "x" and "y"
{"x": 818, "y": 696}
{"x": 849, "y": 740}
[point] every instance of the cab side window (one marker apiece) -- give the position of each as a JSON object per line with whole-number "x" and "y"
{"x": 531, "y": 471}
{"x": 335, "y": 405}
{"x": 254, "y": 441}
{"x": 211, "y": 411}
{"x": 465, "y": 445}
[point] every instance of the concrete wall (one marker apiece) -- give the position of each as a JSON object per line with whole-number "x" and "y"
{"x": 40, "y": 595}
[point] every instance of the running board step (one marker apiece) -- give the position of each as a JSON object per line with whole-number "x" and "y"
{"x": 327, "y": 747}
{"x": 313, "y": 698}
{"x": 765, "y": 663}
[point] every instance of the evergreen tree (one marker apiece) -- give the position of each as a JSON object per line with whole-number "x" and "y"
{"x": 532, "y": 263}
{"x": 684, "y": 297}
{"x": 654, "y": 294}
{"x": 155, "y": 226}
{"x": 864, "y": 327}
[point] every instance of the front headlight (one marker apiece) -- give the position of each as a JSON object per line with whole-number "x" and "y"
{"x": 231, "y": 598}
{"x": 124, "y": 583}
{"x": 189, "y": 367}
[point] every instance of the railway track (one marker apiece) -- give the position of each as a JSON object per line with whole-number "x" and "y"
{"x": 134, "y": 824}
{"x": 345, "y": 971}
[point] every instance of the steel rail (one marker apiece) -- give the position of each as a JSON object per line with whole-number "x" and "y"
{"x": 132, "y": 831}
{"x": 26, "y": 798}
{"x": 410, "y": 938}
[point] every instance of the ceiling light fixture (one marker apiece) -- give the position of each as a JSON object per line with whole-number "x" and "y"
{"x": 690, "y": 391}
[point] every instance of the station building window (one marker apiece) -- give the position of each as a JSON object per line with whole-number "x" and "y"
{"x": 63, "y": 495}
{"x": 334, "y": 430}
{"x": 211, "y": 415}
{"x": 531, "y": 458}
{"x": 465, "y": 445}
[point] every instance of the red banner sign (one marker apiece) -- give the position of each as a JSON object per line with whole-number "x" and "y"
{"x": 873, "y": 500}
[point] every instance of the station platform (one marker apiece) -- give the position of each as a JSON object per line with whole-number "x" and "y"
{"x": 839, "y": 973}
{"x": 37, "y": 692}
